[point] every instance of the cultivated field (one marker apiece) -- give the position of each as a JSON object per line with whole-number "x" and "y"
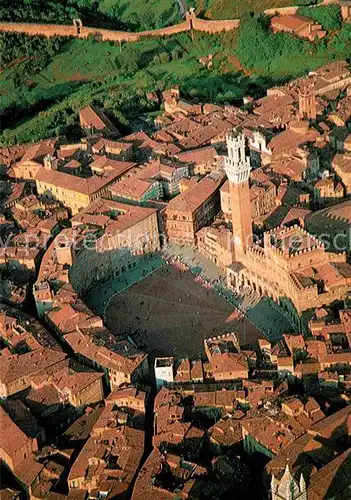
{"x": 169, "y": 313}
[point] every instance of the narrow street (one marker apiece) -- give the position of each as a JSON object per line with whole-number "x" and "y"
{"x": 183, "y": 8}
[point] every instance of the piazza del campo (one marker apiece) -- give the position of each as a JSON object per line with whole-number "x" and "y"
{"x": 175, "y": 288}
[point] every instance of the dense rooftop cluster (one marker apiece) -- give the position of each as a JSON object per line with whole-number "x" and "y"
{"x": 89, "y": 414}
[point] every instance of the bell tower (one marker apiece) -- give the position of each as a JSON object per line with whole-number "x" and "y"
{"x": 307, "y": 101}
{"x": 288, "y": 488}
{"x": 237, "y": 167}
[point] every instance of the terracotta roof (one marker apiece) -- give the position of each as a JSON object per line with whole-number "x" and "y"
{"x": 37, "y": 152}
{"x": 126, "y": 215}
{"x": 113, "y": 360}
{"x": 29, "y": 363}
{"x": 228, "y": 362}
{"x": 332, "y": 480}
{"x": 131, "y": 187}
{"x": 74, "y": 183}
{"x": 268, "y": 432}
{"x": 130, "y": 393}
{"x": 292, "y": 22}
{"x": 114, "y": 146}
{"x": 226, "y": 432}
{"x": 92, "y": 116}
{"x": 12, "y": 438}
{"x": 193, "y": 198}
{"x": 66, "y": 375}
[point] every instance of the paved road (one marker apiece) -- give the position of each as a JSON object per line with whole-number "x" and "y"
{"x": 183, "y": 8}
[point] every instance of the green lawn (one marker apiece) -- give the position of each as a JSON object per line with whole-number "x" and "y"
{"x": 82, "y": 72}
{"x": 232, "y": 9}
{"x": 85, "y": 71}
{"x": 154, "y": 13}
{"x": 134, "y": 15}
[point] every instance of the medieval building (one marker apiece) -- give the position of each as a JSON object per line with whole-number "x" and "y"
{"x": 288, "y": 264}
{"x": 307, "y": 102}
{"x": 288, "y": 488}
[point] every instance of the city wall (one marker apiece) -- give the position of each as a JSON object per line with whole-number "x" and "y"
{"x": 51, "y": 30}
{"x": 191, "y": 23}
{"x": 214, "y": 26}
{"x": 283, "y": 11}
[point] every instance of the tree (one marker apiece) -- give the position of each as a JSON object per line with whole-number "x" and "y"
{"x": 164, "y": 57}
{"x": 253, "y": 46}
{"x": 128, "y": 61}
{"x": 328, "y": 16}
{"x": 176, "y": 53}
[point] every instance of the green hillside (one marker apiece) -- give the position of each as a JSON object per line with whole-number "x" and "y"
{"x": 44, "y": 83}
{"x": 230, "y": 9}
{"x": 131, "y": 15}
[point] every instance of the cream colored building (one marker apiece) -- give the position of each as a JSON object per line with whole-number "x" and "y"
{"x": 76, "y": 193}
{"x": 217, "y": 245}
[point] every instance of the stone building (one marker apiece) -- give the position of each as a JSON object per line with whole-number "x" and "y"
{"x": 298, "y": 25}
{"x": 237, "y": 167}
{"x": 263, "y": 195}
{"x": 342, "y": 166}
{"x": 307, "y": 102}
{"x": 19, "y": 259}
{"x": 164, "y": 368}
{"x": 19, "y": 370}
{"x": 345, "y": 10}
{"x": 76, "y": 193}
{"x": 16, "y": 451}
{"x": 33, "y": 160}
{"x": 113, "y": 451}
{"x": 216, "y": 243}
{"x": 288, "y": 488}
{"x": 94, "y": 121}
{"x": 125, "y": 367}
{"x": 193, "y": 209}
{"x": 128, "y": 227}
{"x": 203, "y": 160}
{"x": 327, "y": 191}
{"x": 289, "y": 265}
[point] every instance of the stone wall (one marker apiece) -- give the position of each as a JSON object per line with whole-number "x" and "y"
{"x": 125, "y": 36}
{"x": 191, "y": 22}
{"x": 282, "y": 11}
{"x": 50, "y": 30}
{"x": 214, "y": 26}
{"x": 47, "y": 30}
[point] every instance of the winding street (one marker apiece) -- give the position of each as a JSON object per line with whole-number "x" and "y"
{"x": 183, "y": 8}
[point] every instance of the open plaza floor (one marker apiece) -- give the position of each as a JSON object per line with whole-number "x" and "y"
{"x": 170, "y": 313}
{"x": 169, "y": 309}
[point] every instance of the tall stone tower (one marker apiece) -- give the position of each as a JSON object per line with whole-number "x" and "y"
{"x": 287, "y": 488}
{"x": 307, "y": 101}
{"x": 237, "y": 167}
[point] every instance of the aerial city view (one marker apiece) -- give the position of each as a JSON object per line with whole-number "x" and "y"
{"x": 175, "y": 249}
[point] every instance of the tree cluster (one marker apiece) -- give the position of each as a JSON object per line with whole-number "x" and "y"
{"x": 328, "y": 16}
{"x": 99, "y": 13}
{"x": 258, "y": 46}
{"x": 17, "y": 46}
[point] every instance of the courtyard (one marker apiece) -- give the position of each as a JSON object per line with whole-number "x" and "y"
{"x": 170, "y": 313}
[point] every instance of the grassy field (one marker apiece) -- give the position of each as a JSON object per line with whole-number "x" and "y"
{"x": 85, "y": 71}
{"x": 230, "y": 9}
{"x": 154, "y": 13}
{"x": 45, "y": 102}
{"x": 134, "y": 15}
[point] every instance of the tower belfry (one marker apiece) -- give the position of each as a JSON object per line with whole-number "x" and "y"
{"x": 288, "y": 488}
{"x": 307, "y": 101}
{"x": 237, "y": 167}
